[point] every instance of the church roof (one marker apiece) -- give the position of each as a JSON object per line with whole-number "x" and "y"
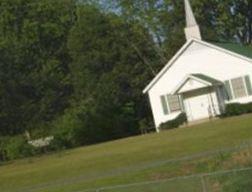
{"x": 202, "y": 78}
{"x": 207, "y": 78}
{"x": 237, "y": 48}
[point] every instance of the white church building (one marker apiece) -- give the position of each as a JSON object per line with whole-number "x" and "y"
{"x": 199, "y": 80}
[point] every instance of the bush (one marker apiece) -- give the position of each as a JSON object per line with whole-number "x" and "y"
{"x": 14, "y": 148}
{"x": 65, "y": 130}
{"x": 237, "y": 109}
{"x": 180, "y": 120}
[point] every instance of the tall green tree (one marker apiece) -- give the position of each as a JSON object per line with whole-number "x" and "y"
{"x": 112, "y": 61}
{"x": 34, "y": 62}
{"x": 235, "y": 20}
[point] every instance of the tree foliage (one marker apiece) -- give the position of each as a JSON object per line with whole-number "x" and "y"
{"x": 109, "y": 69}
{"x": 34, "y": 62}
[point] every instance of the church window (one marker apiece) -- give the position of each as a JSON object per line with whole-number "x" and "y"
{"x": 170, "y": 103}
{"x": 239, "y": 88}
{"x": 174, "y": 103}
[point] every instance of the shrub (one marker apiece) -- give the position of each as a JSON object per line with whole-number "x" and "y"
{"x": 65, "y": 128}
{"x": 237, "y": 109}
{"x": 146, "y": 126}
{"x": 15, "y": 147}
{"x": 180, "y": 120}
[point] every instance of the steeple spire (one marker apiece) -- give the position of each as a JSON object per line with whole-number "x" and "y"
{"x": 192, "y": 29}
{"x": 190, "y": 19}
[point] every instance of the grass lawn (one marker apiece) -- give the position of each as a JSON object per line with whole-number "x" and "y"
{"x": 135, "y": 159}
{"x": 191, "y": 184}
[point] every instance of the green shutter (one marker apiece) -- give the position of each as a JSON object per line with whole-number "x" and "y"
{"x": 164, "y": 104}
{"x": 248, "y": 84}
{"x": 228, "y": 90}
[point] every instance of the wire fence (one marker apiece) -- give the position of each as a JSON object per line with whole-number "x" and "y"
{"x": 198, "y": 182}
{"x": 238, "y": 179}
{"x": 235, "y": 180}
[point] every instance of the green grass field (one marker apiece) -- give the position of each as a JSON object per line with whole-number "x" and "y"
{"x": 136, "y": 159}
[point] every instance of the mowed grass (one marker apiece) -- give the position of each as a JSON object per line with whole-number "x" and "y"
{"x": 183, "y": 185}
{"x": 123, "y": 161}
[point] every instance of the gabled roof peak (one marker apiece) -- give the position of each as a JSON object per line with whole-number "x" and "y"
{"x": 203, "y": 79}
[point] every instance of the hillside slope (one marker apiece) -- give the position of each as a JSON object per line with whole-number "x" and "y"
{"x": 135, "y": 159}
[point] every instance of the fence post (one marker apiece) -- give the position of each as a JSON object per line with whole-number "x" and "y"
{"x": 203, "y": 183}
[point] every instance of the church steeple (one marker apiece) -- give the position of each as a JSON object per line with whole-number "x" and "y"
{"x": 192, "y": 29}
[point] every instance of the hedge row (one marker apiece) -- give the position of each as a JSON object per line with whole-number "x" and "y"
{"x": 237, "y": 109}
{"x": 232, "y": 109}
{"x": 180, "y": 120}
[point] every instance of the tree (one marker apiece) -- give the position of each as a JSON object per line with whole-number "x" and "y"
{"x": 34, "y": 64}
{"x": 111, "y": 65}
{"x": 235, "y": 18}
